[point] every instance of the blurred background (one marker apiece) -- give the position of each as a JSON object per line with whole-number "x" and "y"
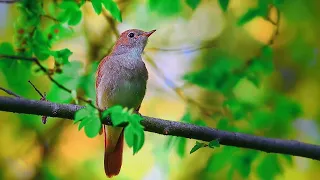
{"x": 191, "y": 35}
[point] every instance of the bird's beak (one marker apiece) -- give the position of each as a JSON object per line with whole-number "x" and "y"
{"x": 149, "y": 33}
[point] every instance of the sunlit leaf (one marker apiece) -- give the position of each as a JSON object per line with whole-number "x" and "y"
{"x": 113, "y": 8}
{"x": 75, "y": 17}
{"x": 92, "y": 128}
{"x": 97, "y": 6}
{"x": 165, "y": 7}
{"x": 81, "y": 114}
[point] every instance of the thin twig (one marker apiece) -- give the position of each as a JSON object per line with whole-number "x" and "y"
{"x": 50, "y": 17}
{"x": 10, "y": 92}
{"x": 36, "y": 89}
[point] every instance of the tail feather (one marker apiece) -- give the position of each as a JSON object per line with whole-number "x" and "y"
{"x": 113, "y": 160}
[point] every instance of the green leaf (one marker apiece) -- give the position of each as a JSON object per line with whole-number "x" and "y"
{"x": 262, "y": 119}
{"x": 6, "y": 49}
{"x": 236, "y": 108}
{"x": 186, "y": 117}
{"x": 69, "y": 78}
{"x": 224, "y": 4}
{"x": 165, "y": 7}
{"x": 221, "y": 159}
{"x": 113, "y": 8}
{"x": 138, "y": 141}
{"x": 129, "y": 135}
{"x": 84, "y": 122}
{"x": 97, "y": 6}
{"x": 269, "y": 167}
{"x": 92, "y": 128}
{"x": 75, "y": 17}
{"x": 248, "y": 16}
{"x": 62, "y": 56}
{"x": 117, "y": 115}
{"x": 41, "y": 53}
{"x": 88, "y": 81}
{"x": 182, "y": 142}
{"x": 68, "y": 5}
{"x": 193, "y": 3}
{"x": 197, "y": 146}
{"x": 278, "y": 3}
{"x": 214, "y": 143}
{"x": 288, "y": 158}
{"x": 81, "y": 114}
{"x": 242, "y": 162}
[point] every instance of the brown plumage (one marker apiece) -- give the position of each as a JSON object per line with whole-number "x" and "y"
{"x": 121, "y": 79}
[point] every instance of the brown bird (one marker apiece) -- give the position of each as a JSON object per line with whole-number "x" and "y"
{"x": 121, "y": 79}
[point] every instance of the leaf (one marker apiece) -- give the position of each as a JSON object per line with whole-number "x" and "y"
{"x": 262, "y": 119}
{"x": 242, "y": 162}
{"x": 269, "y": 167}
{"x": 62, "y": 56}
{"x": 214, "y": 143}
{"x": 74, "y": 96}
{"x": 236, "y": 108}
{"x": 224, "y": 4}
{"x": 69, "y": 78}
{"x": 278, "y": 3}
{"x": 41, "y": 53}
{"x": 117, "y": 115}
{"x": 75, "y": 17}
{"x": 288, "y": 158}
{"x": 248, "y": 16}
{"x": 128, "y": 134}
{"x": 197, "y": 146}
{"x": 97, "y": 6}
{"x": 6, "y": 49}
{"x": 84, "y": 122}
{"x": 181, "y": 149}
{"x": 92, "y": 128}
{"x": 81, "y": 114}
{"x": 113, "y": 8}
{"x": 138, "y": 141}
{"x": 220, "y": 159}
{"x": 186, "y": 117}
{"x": 193, "y": 3}
{"x": 165, "y": 7}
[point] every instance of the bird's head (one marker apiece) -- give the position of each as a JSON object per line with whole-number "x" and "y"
{"x": 132, "y": 41}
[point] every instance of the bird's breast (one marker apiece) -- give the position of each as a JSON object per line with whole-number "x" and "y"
{"x": 122, "y": 86}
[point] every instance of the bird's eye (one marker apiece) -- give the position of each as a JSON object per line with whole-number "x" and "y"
{"x": 131, "y": 35}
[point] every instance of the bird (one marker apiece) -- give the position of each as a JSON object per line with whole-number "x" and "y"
{"x": 121, "y": 79}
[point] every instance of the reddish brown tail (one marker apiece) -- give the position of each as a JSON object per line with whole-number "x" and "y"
{"x": 113, "y": 160}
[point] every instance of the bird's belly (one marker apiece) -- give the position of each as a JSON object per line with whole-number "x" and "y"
{"x": 128, "y": 93}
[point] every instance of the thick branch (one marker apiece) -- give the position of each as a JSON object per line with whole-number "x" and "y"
{"x": 165, "y": 127}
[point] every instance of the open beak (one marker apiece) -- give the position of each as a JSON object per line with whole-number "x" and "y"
{"x": 149, "y": 33}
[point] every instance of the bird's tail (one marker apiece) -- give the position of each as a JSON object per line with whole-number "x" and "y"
{"x": 113, "y": 150}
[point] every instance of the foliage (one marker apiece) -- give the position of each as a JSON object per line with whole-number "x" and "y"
{"x": 133, "y": 132}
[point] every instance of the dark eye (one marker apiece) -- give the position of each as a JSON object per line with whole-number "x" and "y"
{"x": 131, "y": 35}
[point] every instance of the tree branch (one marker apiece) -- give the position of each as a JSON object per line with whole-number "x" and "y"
{"x": 165, "y": 127}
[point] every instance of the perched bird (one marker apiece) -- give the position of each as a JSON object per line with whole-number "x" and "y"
{"x": 121, "y": 79}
